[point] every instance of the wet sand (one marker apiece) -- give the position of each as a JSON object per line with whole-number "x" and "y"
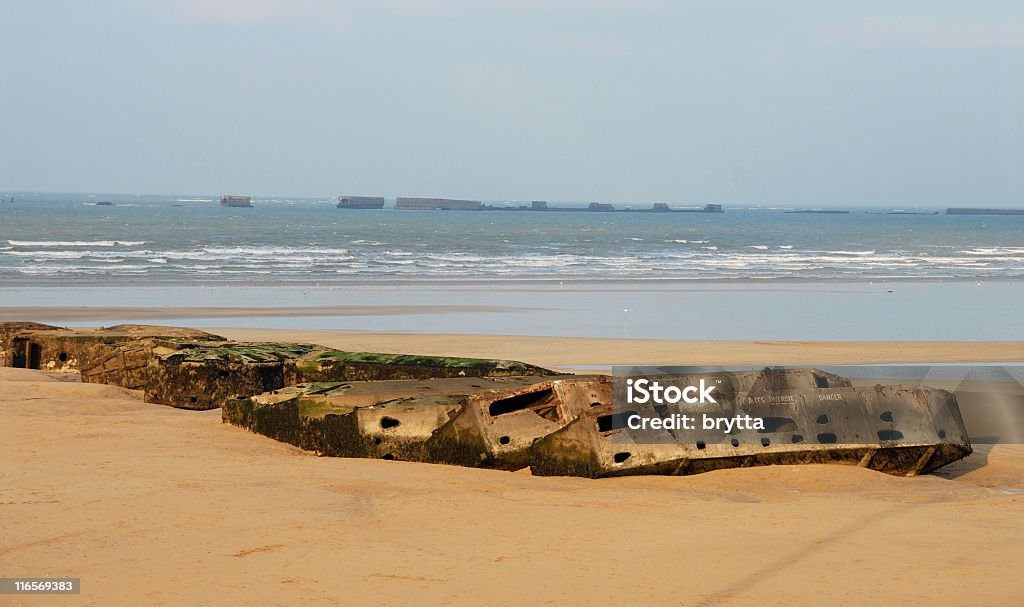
{"x": 153, "y": 505}
{"x": 605, "y": 352}
{"x": 69, "y": 314}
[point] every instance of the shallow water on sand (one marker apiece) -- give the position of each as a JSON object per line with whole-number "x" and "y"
{"x": 967, "y": 311}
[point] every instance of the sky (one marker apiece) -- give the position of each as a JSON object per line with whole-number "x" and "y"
{"x": 778, "y": 102}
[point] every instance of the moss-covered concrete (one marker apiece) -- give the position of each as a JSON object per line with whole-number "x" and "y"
{"x": 35, "y": 346}
{"x": 203, "y": 374}
{"x": 339, "y": 365}
{"x": 391, "y": 419}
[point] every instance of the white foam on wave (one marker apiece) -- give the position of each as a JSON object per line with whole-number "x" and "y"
{"x": 759, "y": 247}
{"x": 76, "y": 243}
{"x": 249, "y": 250}
{"x": 100, "y": 255}
{"x": 994, "y": 251}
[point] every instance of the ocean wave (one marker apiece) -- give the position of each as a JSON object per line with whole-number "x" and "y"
{"x": 76, "y": 243}
{"x": 44, "y": 255}
{"x": 268, "y": 250}
{"x": 994, "y": 251}
{"x": 471, "y": 258}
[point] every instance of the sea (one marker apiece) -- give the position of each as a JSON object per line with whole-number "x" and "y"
{"x": 753, "y": 272}
{"x": 191, "y": 239}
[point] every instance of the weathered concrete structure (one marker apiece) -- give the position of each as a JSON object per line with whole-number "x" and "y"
{"x": 495, "y": 429}
{"x": 360, "y": 202}
{"x": 203, "y": 375}
{"x": 235, "y": 201}
{"x": 8, "y": 332}
{"x": 406, "y": 203}
{"x": 972, "y": 211}
{"x": 197, "y": 375}
{"x": 326, "y": 365}
{"x": 893, "y": 429}
{"x": 380, "y": 419}
{"x": 504, "y": 414}
{"x": 37, "y": 346}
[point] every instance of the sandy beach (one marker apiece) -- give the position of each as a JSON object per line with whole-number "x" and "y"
{"x": 153, "y": 505}
{"x": 418, "y": 238}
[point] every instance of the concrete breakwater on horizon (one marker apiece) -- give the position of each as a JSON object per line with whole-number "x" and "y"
{"x": 69, "y": 238}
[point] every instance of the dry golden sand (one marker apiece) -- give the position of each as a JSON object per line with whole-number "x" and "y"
{"x": 153, "y": 505}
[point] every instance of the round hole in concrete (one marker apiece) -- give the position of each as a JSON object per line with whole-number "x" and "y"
{"x": 621, "y": 457}
{"x": 735, "y": 443}
{"x": 827, "y": 438}
{"x": 504, "y": 440}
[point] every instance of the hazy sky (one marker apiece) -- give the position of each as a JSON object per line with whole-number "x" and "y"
{"x": 612, "y": 100}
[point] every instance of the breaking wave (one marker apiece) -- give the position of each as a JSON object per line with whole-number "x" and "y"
{"x": 76, "y": 243}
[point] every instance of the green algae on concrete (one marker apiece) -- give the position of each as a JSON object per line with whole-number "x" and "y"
{"x": 339, "y": 365}
{"x": 203, "y": 374}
